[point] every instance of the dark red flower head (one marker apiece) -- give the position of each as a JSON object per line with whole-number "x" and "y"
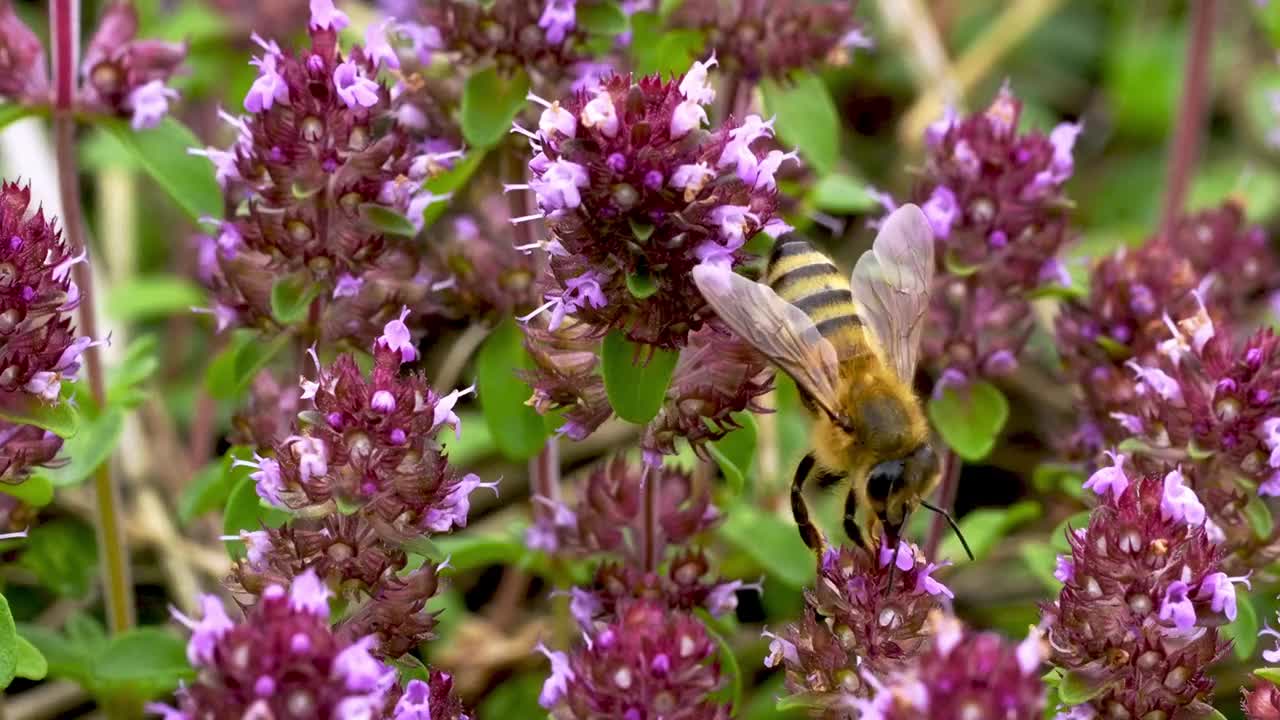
{"x": 127, "y": 76}
{"x": 1220, "y": 242}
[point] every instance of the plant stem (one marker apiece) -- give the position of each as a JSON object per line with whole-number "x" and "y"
{"x": 64, "y": 21}
{"x": 1185, "y": 143}
{"x": 544, "y": 476}
{"x": 951, "y": 464}
{"x": 652, "y": 536}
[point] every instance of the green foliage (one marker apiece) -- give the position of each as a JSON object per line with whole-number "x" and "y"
{"x": 515, "y": 698}
{"x": 970, "y": 419}
{"x": 1041, "y": 559}
{"x": 475, "y": 551}
{"x": 388, "y": 221}
{"x": 153, "y": 296}
{"x": 771, "y": 541}
{"x": 450, "y": 181}
{"x": 1058, "y": 538}
{"x": 63, "y": 556}
{"x": 211, "y": 487}
{"x": 36, "y": 490}
{"x": 162, "y": 153}
{"x": 1270, "y": 674}
{"x": 11, "y": 112}
{"x": 604, "y": 18}
{"x": 8, "y": 645}
{"x": 142, "y": 663}
{"x": 491, "y": 99}
{"x": 30, "y": 663}
{"x": 1075, "y": 688}
{"x": 516, "y": 428}
{"x": 735, "y": 453}
{"x": 291, "y": 297}
{"x": 1243, "y": 631}
{"x": 136, "y": 366}
{"x": 807, "y": 118}
{"x": 728, "y": 660}
{"x": 985, "y": 527}
{"x": 841, "y": 193}
{"x": 231, "y": 371}
{"x": 1259, "y": 516}
{"x": 61, "y": 419}
{"x": 656, "y": 49}
{"x": 89, "y": 449}
{"x": 636, "y": 389}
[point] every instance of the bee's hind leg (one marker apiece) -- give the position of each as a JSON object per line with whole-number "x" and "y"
{"x": 800, "y": 510}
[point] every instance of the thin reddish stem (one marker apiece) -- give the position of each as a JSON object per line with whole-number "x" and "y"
{"x": 951, "y": 464}
{"x": 1185, "y": 143}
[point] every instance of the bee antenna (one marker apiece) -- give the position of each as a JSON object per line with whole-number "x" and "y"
{"x": 954, "y": 527}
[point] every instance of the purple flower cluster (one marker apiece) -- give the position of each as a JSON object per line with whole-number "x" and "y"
{"x": 368, "y": 445}
{"x": 38, "y": 344}
{"x": 649, "y": 662}
{"x": 716, "y": 376}
{"x": 758, "y": 39}
{"x": 1142, "y": 598}
{"x": 964, "y": 674}
{"x": 637, "y": 193}
{"x": 1121, "y": 321}
{"x": 542, "y": 36}
{"x": 121, "y": 74}
{"x": 857, "y": 625}
{"x": 316, "y": 161}
{"x": 482, "y": 274}
{"x": 283, "y": 660}
{"x": 1219, "y": 243}
{"x": 994, "y": 198}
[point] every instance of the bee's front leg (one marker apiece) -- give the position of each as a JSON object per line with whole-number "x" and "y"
{"x": 800, "y": 510}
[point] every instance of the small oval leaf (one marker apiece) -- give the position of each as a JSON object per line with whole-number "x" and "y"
{"x": 516, "y": 428}
{"x": 490, "y": 101}
{"x": 636, "y": 391}
{"x": 291, "y": 297}
{"x": 970, "y": 419}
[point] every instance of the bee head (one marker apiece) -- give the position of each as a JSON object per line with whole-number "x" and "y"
{"x": 896, "y": 486}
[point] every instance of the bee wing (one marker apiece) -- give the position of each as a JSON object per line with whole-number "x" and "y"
{"x": 891, "y": 283}
{"x": 775, "y": 327}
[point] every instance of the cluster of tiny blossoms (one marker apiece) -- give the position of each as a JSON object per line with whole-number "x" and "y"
{"x": 38, "y": 344}
{"x": 994, "y": 198}
{"x": 317, "y": 160}
{"x": 636, "y": 193}
{"x": 864, "y": 618}
{"x": 120, "y": 74}
{"x": 758, "y": 39}
{"x": 283, "y": 660}
{"x": 1142, "y": 598}
{"x": 964, "y": 674}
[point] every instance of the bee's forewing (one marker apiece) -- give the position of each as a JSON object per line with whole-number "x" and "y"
{"x": 775, "y": 327}
{"x": 891, "y": 283}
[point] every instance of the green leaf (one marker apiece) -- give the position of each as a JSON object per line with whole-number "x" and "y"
{"x": 983, "y": 528}
{"x": 235, "y": 367}
{"x": 515, "y": 699}
{"x": 386, "y": 220}
{"x": 61, "y": 419}
{"x": 807, "y": 118}
{"x": 137, "y": 366}
{"x": 1270, "y": 674}
{"x": 144, "y": 662}
{"x": 636, "y": 392}
{"x": 153, "y": 296}
{"x": 449, "y": 181}
{"x": 475, "y": 551}
{"x": 840, "y": 193}
{"x": 1041, "y": 559}
{"x": 802, "y": 701}
{"x": 641, "y": 231}
{"x": 1142, "y": 77}
{"x": 70, "y": 653}
{"x": 1259, "y": 516}
{"x": 1244, "y": 629}
{"x": 89, "y": 449}
{"x": 735, "y": 452}
{"x": 490, "y": 101}
{"x": 30, "y": 662}
{"x": 63, "y": 556}
{"x": 641, "y": 285}
{"x": 245, "y": 511}
{"x": 36, "y": 490}
{"x": 658, "y": 49}
{"x": 728, "y": 660}
{"x": 211, "y": 487}
{"x": 162, "y": 153}
{"x": 771, "y": 541}
{"x": 970, "y": 419}
{"x": 605, "y": 18}
{"x": 13, "y": 112}
{"x": 517, "y": 429}
{"x": 1076, "y": 689}
{"x": 8, "y": 645}
{"x": 291, "y": 297}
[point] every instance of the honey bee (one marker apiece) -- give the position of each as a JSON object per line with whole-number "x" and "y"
{"x": 851, "y": 346}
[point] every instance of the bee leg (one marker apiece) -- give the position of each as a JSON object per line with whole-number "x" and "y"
{"x": 808, "y": 531}
{"x": 851, "y": 520}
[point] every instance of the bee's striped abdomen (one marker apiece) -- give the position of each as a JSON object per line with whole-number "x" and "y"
{"x": 809, "y": 280}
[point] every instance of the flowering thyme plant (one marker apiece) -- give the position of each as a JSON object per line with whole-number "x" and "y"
{"x": 359, "y": 344}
